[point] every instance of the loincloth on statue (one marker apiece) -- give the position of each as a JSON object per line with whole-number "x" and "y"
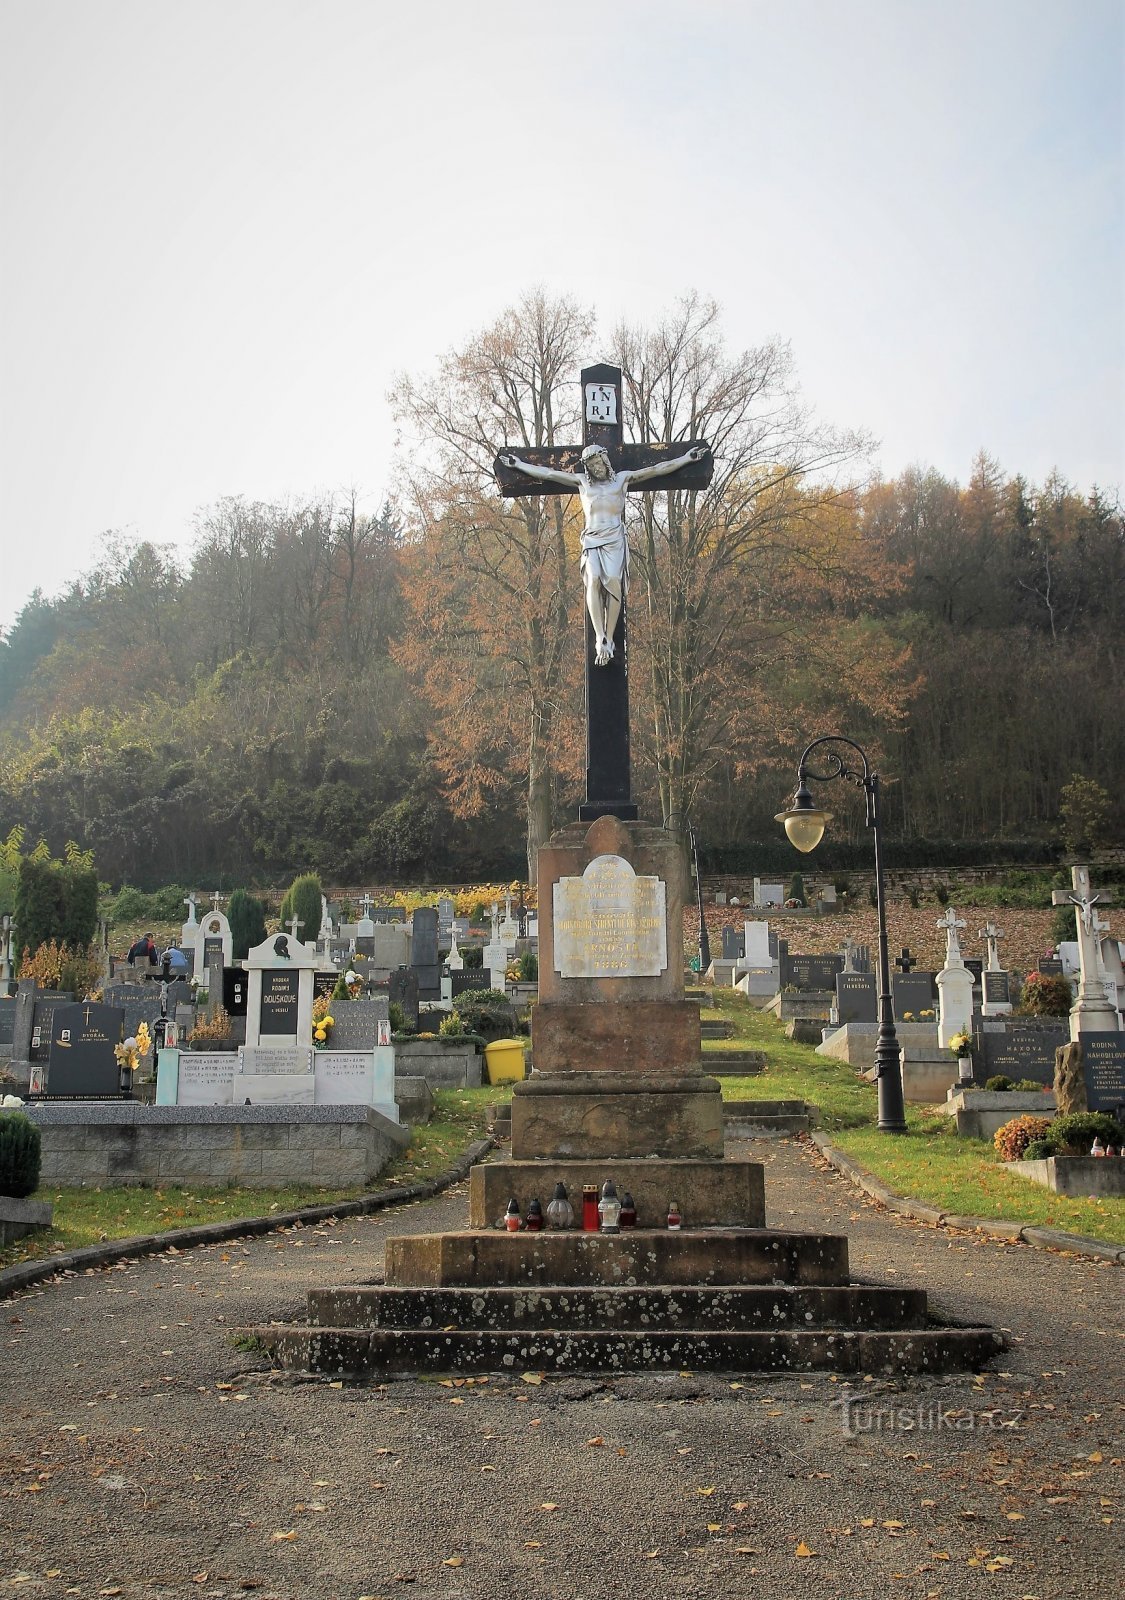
{"x": 605, "y": 556}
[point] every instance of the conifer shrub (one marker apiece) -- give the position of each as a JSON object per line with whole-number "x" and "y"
{"x": 20, "y": 1148}
{"x": 1014, "y": 1137}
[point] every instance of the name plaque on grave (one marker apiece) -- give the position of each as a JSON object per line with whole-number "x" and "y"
{"x": 913, "y": 993}
{"x": 1021, "y": 1052}
{"x": 856, "y": 999}
{"x": 1103, "y": 1062}
{"x": 270, "y": 1058}
{"x": 206, "y": 1078}
{"x": 279, "y": 1003}
{"x": 996, "y": 990}
{"x": 808, "y": 973}
{"x": 609, "y": 923}
{"x": 344, "y": 1077}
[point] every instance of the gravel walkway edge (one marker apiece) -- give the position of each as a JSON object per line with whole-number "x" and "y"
{"x": 993, "y": 1228}
{"x": 26, "y": 1273}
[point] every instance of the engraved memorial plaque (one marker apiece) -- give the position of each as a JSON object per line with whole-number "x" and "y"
{"x": 279, "y": 1003}
{"x": 609, "y": 923}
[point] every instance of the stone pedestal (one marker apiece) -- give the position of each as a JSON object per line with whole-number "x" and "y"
{"x": 955, "y": 988}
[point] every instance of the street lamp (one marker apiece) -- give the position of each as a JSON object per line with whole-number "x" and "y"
{"x": 704, "y": 941}
{"x": 804, "y": 823}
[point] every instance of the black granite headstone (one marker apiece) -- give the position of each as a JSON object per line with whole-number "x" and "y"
{"x": 806, "y": 973}
{"x": 995, "y": 988}
{"x": 279, "y": 1003}
{"x": 324, "y": 983}
{"x": 1103, "y": 1063}
{"x": 1050, "y": 966}
{"x": 470, "y": 978}
{"x": 424, "y": 953}
{"x": 732, "y": 943}
{"x": 82, "y": 1063}
{"x": 913, "y": 992}
{"x": 402, "y": 989}
{"x": 211, "y": 943}
{"x": 41, "y": 1025}
{"x": 357, "y": 1024}
{"x": 856, "y": 997}
{"x": 236, "y": 982}
{"x": 975, "y": 965}
{"x": 7, "y": 1021}
{"x": 1026, "y": 1049}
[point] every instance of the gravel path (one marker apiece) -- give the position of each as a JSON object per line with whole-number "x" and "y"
{"x": 143, "y": 1454}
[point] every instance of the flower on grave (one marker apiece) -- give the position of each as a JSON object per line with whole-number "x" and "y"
{"x": 959, "y": 1044}
{"x": 127, "y": 1055}
{"x": 908, "y": 1016}
{"x": 925, "y": 1016}
{"x": 144, "y": 1039}
{"x": 322, "y": 1019}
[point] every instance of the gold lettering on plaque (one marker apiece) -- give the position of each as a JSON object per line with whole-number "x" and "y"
{"x": 609, "y": 923}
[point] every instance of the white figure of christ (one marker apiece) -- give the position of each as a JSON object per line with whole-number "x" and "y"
{"x": 605, "y": 549}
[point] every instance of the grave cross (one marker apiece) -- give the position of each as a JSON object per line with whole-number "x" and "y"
{"x": 993, "y": 935}
{"x": 564, "y": 469}
{"x": 365, "y": 905}
{"x": 217, "y": 900}
{"x": 191, "y": 902}
{"x": 904, "y": 961}
{"x": 951, "y": 922}
{"x": 293, "y": 924}
{"x": 1091, "y": 999}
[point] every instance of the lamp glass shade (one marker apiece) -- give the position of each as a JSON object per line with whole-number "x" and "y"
{"x": 805, "y": 826}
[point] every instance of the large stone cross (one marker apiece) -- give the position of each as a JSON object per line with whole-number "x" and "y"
{"x": 191, "y": 902}
{"x": 293, "y": 924}
{"x": 951, "y": 922}
{"x": 1092, "y": 1011}
{"x": 608, "y": 782}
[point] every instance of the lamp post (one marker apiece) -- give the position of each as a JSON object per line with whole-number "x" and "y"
{"x": 704, "y": 941}
{"x": 804, "y": 824}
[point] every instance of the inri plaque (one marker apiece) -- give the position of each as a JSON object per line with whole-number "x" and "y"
{"x": 609, "y": 923}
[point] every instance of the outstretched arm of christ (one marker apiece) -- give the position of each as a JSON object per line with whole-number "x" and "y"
{"x": 660, "y": 469}
{"x": 548, "y": 474}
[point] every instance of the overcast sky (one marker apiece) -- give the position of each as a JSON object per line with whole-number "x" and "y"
{"x": 227, "y": 224}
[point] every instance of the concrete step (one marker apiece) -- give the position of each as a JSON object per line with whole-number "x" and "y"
{"x": 754, "y": 1119}
{"x": 493, "y": 1259}
{"x": 732, "y": 1063}
{"x": 362, "y": 1353}
{"x": 716, "y": 1028}
{"x": 662, "y": 1307}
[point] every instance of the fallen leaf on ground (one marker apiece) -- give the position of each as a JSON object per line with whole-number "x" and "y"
{"x": 280, "y": 1538}
{"x": 803, "y": 1550}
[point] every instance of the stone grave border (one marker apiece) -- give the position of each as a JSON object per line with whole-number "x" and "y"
{"x": 28, "y": 1273}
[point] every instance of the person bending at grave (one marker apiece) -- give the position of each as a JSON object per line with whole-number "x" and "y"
{"x": 605, "y": 550}
{"x": 143, "y": 949}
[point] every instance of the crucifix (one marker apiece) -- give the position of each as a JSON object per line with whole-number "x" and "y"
{"x": 601, "y": 471}
{"x": 1092, "y": 1003}
{"x": 951, "y": 922}
{"x": 191, "y": 902}
{"x": 993, "y": 935}
{"x": 365, "y": 904}
{"x": 216, "y": 900}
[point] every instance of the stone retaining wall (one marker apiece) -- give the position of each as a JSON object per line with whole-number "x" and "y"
{"x": 105, "y": 1142}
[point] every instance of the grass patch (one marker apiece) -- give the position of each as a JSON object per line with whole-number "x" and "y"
{"x": 88, "y": 1216}
{"x": 929, "y": 1162}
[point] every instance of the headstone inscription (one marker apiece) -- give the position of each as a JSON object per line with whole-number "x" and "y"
{"x": 1026, "y": 1050}
{"x": 7, "y": 1023}
{"x": 995, "y": 988}
{"x": 1103, "y": 1063}
{"x": 732, "y": 943}
{"x": 357, "y": 1024}
{"x": 82, "y": 1065}
{"x": 279, "y": 1003}
{"x": 469, "y": 978}
{"x": 975, "y": 965}
{"x": 402, "y": 989}
{"x": 324, "y": 983}
{"x": 806, "y": 973}
{"x": 42, "y": 1022}
{"x": 610, "y": 922}
{"x": 856, "y": 997}
{"x": 1050, "y": 966}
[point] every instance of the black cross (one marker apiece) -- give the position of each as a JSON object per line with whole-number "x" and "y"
{"x": 905, "y": 962}
{"x": 608, "y": 784}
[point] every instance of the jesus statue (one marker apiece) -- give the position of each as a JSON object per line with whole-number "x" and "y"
{"x": 605, "y": 549}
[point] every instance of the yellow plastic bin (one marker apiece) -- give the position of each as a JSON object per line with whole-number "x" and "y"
{"x": 504, "y": 1060}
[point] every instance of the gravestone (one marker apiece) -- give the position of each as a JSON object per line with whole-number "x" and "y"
{"x": 386, "y": 914}
{"x": 768, "y": 894}
{"x": 756, "y": 944}
{"x": 856, "y": 998}
{"x": 391, "y": 946}
{"x": 45, "y": 1006}
{"x": 1049, "y": 966}
{"x": 424, "y": 953}
{"x": 1103, "y": 1065}
{"x": 975, "y": 965}
{"x": 732, "y": 943}
{"x": 324, "y": 983}
{"x": 81, "y": 1063}
{"x": 996, "y": 989}
{"x": 806, "y": 973}
{"x": 280, "y": 994}
{"x": 213, "y": 936}
{"x": 402, "y": 989}
{"x": 357, "y": 1024}
{"x": 1024, "y": 1050}
{"x": 143, "y": 1004}
{"x": 914, "y": 992}
{"x": 446, "y": 910}
{"x": 7, "y": 1023}
{"x": 236, "y": 990}
{"x": 469, "y": 978}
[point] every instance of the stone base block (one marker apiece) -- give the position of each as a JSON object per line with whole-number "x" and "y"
{"x": 20, "y": 1217}
{"x": 655, "y": 1037}
{"x": 635, "y": 1256}
{"x": 1075, "y": 1175}
{"x": 724, "y": 1194}
{"x": 588, "y": 1116}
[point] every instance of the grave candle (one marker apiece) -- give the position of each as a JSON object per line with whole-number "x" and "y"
{"x": 589, "y": 1208}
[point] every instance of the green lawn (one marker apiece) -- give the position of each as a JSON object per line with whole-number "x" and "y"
{"x": 929, "y": 1162}
{"x": 86, "y": 1216}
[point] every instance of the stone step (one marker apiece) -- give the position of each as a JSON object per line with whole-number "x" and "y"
{"x": 716, "y": 1028}
{"x": 716, "y": 1193}
{"x": 351, "y": 1352}
{"x": 732, "y": 1063}
{"x": 752, "y": 1119}
{"x": 493, "y": 1259}
{"x": 866, "y": 1306}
